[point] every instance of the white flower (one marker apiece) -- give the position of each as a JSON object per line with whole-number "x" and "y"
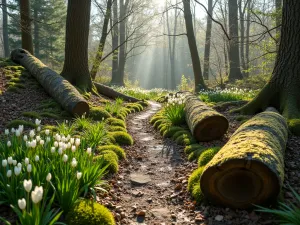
{"x": 17, "y": 170}
{"x": 57, "y": 137}
{"x": 68, "y": 137}
{"x": 8, "y": 173}
{"x": 37, "y": 122}
{"x": 22, "y": 203}
{"x": 60, "y": 144}
{"x": 74, "y": 162}
{"x": 52, "y": 149}
{"x": 19, "y": 165}
{"x": 8, "y": 144}
{"x": 60, "y": 151}
{"x": 15, "y": 162}
{"x": 37, "y": 194}
{"x": 13, "y": 130}
{"x": 4, "y": 162}
{"x": 65, "y": 158}
{"x": 29, "y": 168}
{"x": 26, "y": 161}
{"x": 38, "y": 138}
{"x": 55, "y": 144}
{"x": 89, "y": 151}
{"x": 6, "y": 132}
{"x": 10, "y": 160}
{"x": 49, "y": 176}
{"x": 42, "y": 142}
{"x": 21, "y": 128}
{"x": 68, "y": 145}
{"x": 25, "y": 138}
{"x": 47, "y": 132}
{"x": 72, "y": 140}
{"x": 33, "y": 144}
{"x": 18, "y": 133}
{"x": 38, "y": 129}
{"x": 27, "y": 185}
{"x": 63, "y": 139}
{"x": 37, "y": 158}
{"x": 48, "y": 139}
{"x": 31, "y": 133}
{"x": 73, "y": 148}
{"x": 78, "y": 175}
{"x": 77, "y": 142}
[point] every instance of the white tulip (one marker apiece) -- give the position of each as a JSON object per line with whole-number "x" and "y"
{"x": 26, "y": 161}
{"x": 10, "y": 160}
{"x": 29, "y": 168}
{"x": 47, "y": 132}
{"x": 6, "y": 132}
{"x": 15, "y": 162}
{"x": 33, "y": 144}
{"x": 21, "y": 128}
{"x": 31, "y": 133}
{"x": 89, "y": 151}
{"x": 37, "y": 194}
{"x": 49, "y": 176}
{"x": 27, "y": 185}
{"x": 17, "y": 170}
{"x": 68, "y": 145}
{"x": 73, "y": 148}
{"x": 77, "y": 142}
{"x": 22, "y": 203}
{"x": 68, "y": 137}
{"x": 38, "y": 129}
{"x": 42, "y": 142}
{"x": 18, "y": 133}
{"x": 65, "y": 158}
{"x": 79, "y": 175}
{"x": 38, "y": 138}
{"x": 25, "y": 138}
{"x": 63, "y": 139}
{"x": 52, "y": 149}
{"x": 13, "y": 130}
{"x": 8, "y": 173}
{"x": 19, "y": 165}
{"x": 8, "y": 144}
{"x": 74, "y": 162}
{"x": 37, "y": 122}
{"x": 55, "y": 144}
{"x": 72, "y": 140}
{"x": 60, "y": 151}
{"x": 48, "y": 139}
{"x": 58, "y": 137}
{"x": 37, "y": 158}
{"x": 60, "y": 144}
{"x": 4, "y": 162}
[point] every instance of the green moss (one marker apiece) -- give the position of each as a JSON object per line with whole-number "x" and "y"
{"x": 207, "y": 155}
{"x": 195, "y": 154}
{"x": 158, "y": 122}
{"x": 32, "y": 114}
{"x": 98, "y": 113}
{"x": 110, "y": 158}
{"x": 135, "y": 106}
{"x": 171, "y": 131}
{"x": 185, "y": 139}
{"x": 115, "y": 122}
{"x": 88, "y": 212}
{"x": 50, "y": 115}
{"x": 163, "y": 127}
{"x": 116, "y": 149}
{"x": 194, "y": 178}
{"x": 15, "y": 80}
{"x": 143, "y": 103}
{"x": 190, "y": 148}
{"x": 294, "y": 126}
{"x": 50, "y": 103}
{"x": 179, "y": 133}
{"x": 17, "y": 85}
{"x": 122, "y": 138}
{"x": 116, "y": 128}
{"x": 197, "y": 193}
{"x": 16, "y": 123}
{"x": 121, "y": 117}
{"x": 241, "y": 118}
{"x": 13, "y": 89}
{"x": 155, "y": 118}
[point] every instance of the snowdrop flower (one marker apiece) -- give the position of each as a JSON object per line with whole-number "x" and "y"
{"x": 4, "y": 162}
{"x": 31, "y": 133}
{"x": 27, "y": 185}
{"x": 8, "y": 173}
{"x": 78, "y": 175}
{"x": 52, "y": 149}
{"x": 74, "y": 162}
{"x": 55, "y": 144}
{"x": 48, "y": 139}
{"x": 22, "y": 203}
{"x": 19, "y": 165}
{"x": 25, "y": 138}
{"x": 37, "y": 158}
{"x": 49, "y": 176}
{"x": 10, "y": 160}
{"x": 38, "y": 138}
{"x": 18, "y": 133}
{"x": 60, "y": 151}
{"x": 73, "y": 148}
{"x": 65, "y": 158}
{"x": 47, "y": 132}
{"x": 15, "y": 162}
{"x": 37, "y": 122}
{"x": 72, "y": 140}
{"x": 26, "y": 161}
{"x": 8, "y": 144}
{"x": 42, "y": 142}
{"x": 13, "y": 130}
{"x": 37, "y": 194}
{"x": 29, "y": 168}
{"x": 17, "y": 170}
{"x": 89, "y": 151}
{"x": 77, "y": 142}
{"x": 6, "y": 132}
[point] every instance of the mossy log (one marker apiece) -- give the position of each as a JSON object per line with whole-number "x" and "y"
{"x": 249, "y": 169}
{"x": 111, "y": 93}
{"x": 54, "y": 84}
{"x": 205, "y": 123}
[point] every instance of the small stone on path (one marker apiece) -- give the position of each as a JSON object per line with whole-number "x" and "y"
{"x": 139, "y": 179}
{"x": 219, "y": 218}
{"x": 161, "y": 213}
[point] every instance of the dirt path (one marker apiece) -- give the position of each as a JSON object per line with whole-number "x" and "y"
{"x": 150, "y": 183}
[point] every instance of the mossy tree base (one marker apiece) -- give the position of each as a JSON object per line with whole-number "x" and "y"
{"x": 249, "y": 169}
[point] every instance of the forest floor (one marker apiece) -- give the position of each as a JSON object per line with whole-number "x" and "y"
{"x": 151, "y": 186}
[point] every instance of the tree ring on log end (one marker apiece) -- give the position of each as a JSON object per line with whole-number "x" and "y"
{"x": 80, "y": 109}
{"x": 236, "y": 185}
{"x": 211, "y": 128}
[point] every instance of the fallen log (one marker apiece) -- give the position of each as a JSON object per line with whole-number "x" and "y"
{"x": 111, "y": 93}
{"x": 54, "y": 84}
{"x": 205, "y": 123}
{"x": 249, "y": 169}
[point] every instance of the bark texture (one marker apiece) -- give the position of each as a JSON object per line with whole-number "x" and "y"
{"x": 76, "y": 69}
{"x": 115, "y": 42}
{"x": 249, "y": 169}
{"x": 207, "y": 40}
{"x": 26, "y": 26}
{"x": 54, "y": 84}
{"x": 36, "y": 32}
{"x": 199, "y": 82}
{"x": 205, "y": 123}
{"x": 282, "y": 91}
{"x": 5, "y": 28}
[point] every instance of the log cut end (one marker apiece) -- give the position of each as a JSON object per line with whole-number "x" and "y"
{"x": 240, "y": 183}
{"x": 18, "y": 54}
{"x": 211, "y": 128}
{"x": 81, "y": 108}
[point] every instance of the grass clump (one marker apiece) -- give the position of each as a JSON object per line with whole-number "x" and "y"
{"x": 98, "y": 113}
{"x": 110, "y": 159}
{"x": 88, "y": 212}
{"x": 207, "y": 155}
{"x": 122, "y": 138}
{"x": 115, "y": 122}
{"x": 116, "y": 128}
{"x": 174, "y": 110}
{"x": 32, "y": 114}
{"x": 95, "y": 134}
{"x": 17, "y": 123}
{"x": 116, "y": 149}
{"x": 179, "y": 133}
{"x": 82, "y": 123}
{"x": 193, "y": 147}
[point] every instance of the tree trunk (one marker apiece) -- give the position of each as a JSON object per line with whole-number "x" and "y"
{"x": 204, "y": 122}
{"x": 99, "y": 53}
{"x": 54, "y": 84}
{"x": 278, "y": 5}
{"x": 242, "y": 31}
{"x": 249, "y": 169}
{"x": 5, "y": 29}
{"x": 36, "y": 32}
{"x": 234, "y": 56}
{"x": 207, "y": 40}
{"x": 282, "y": 91}
{"x": 26, "y": 26}
{"x": 115, "y": 43}
{"x": 76, "y": 69}
{"x": 247, "y": 56}
{"x": 199, "y": 82}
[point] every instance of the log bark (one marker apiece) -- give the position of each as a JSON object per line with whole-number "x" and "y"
{"x": 205, "y": 123}
{"x": 249, "y": 169}
{"x": 111, "y": 93}
{"x": 54, "y": 84}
